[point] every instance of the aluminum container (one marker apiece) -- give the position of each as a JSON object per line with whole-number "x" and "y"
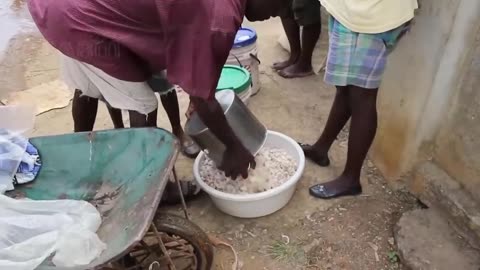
{"x": 243, "y": 122}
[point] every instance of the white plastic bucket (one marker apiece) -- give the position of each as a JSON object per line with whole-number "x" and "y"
{"x": 263, "y": 203}
{"x": 244, "y": 53}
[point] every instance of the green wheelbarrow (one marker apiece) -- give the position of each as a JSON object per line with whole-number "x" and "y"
{"x": 123, "y": 173}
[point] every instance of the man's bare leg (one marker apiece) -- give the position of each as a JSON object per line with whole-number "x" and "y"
{"x": 84, "y": 112}
{"x": 338, "y": 117}
{"x": 171, "y": 106}
{"x": 116, "y": 116}
{"x": 292, "y": 30}
{"x": 190, "y": 110}
{"x": 363, "y": 127}
{"x": 189, "y": 149}
{"x": 141, "y": 120}
{"x": 303, "y": 66}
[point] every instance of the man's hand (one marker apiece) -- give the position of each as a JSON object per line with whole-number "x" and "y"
{"x": 236, "y": 161}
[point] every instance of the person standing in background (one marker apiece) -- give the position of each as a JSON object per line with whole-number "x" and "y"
{"x": 305, "y": 13}
{"x": 361, "y": 36}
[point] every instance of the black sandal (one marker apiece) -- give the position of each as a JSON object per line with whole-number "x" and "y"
{"x": 321, "y": 192}
{"x": 171, "y": 195}
{"x": 323, "y": 161}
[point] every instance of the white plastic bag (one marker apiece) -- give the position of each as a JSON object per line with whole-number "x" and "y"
{"x": 31, "y": 231}
{"x": 15, "y": 122}
{"x": 12, "y": 151}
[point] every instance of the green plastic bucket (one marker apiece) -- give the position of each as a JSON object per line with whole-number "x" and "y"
{"x": 234, "y": 78}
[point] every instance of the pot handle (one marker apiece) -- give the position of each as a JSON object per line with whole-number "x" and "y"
{"x": 255, "y": 57}
{"x": 238, "y": 60}
{"x": 240, "y": 64}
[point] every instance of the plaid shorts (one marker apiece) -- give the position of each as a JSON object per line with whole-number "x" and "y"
{"x": 356, "y": 58}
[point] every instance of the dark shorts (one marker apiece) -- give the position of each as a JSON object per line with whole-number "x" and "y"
{"x": 160, "y": 84}
{"x": 305, "y": 12}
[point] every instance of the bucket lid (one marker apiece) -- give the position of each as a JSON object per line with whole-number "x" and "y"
{"x": 245, "y": 36}
{"x": 234, "y": 77}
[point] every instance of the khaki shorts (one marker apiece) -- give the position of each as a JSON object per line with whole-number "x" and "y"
{"x": 305, "y": 12}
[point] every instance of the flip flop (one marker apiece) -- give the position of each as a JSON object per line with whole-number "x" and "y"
{"x": 320, "y": 161}
{"x": 322, "y": 192}
{"x": 171, "y": 195}
{"x": 287, "y": 75}
{"x": 190, "y": 149}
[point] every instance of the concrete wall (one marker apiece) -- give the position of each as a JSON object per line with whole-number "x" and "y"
{"x": 423, "y": 78}
{"x": 457, "y": 147}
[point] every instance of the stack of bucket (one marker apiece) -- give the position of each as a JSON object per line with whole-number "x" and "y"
{"x": 237, "y": 79}
{"x": 241, "y": 72}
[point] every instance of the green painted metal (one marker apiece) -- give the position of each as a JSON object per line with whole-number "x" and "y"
{"x": 122, "y": 172}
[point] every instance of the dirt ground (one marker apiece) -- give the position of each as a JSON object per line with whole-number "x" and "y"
{"x": 347, "y": 233}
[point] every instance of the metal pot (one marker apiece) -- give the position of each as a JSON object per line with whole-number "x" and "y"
{"x": 244, "y": 124}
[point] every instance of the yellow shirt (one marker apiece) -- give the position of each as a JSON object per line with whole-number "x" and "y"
{"x": 371, "y": 16}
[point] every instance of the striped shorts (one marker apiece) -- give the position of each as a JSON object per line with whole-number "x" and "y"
{"x": 356, "y": 58}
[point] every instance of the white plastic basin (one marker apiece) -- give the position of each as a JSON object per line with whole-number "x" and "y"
{"x": 258, "y": 204}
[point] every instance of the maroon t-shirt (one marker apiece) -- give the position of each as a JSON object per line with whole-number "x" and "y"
{"x": 132, "y": 39}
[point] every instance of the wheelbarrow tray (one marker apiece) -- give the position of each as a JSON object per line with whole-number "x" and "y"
{"x": 122, "y": 172}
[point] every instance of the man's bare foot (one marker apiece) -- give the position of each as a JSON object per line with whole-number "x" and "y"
{"x": 281, "y": 65}
{"x": 296, "y": 70}
{"x": 342, "y": 186}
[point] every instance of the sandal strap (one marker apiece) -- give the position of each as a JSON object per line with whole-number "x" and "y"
{"x": 172, "y": 196}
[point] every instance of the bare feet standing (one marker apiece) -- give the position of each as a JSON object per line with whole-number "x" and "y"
{"x": 305, "y": 13}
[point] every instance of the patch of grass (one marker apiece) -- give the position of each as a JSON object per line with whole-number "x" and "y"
{"x": 284, "y": 252}
{"x": 393, "y": 257}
